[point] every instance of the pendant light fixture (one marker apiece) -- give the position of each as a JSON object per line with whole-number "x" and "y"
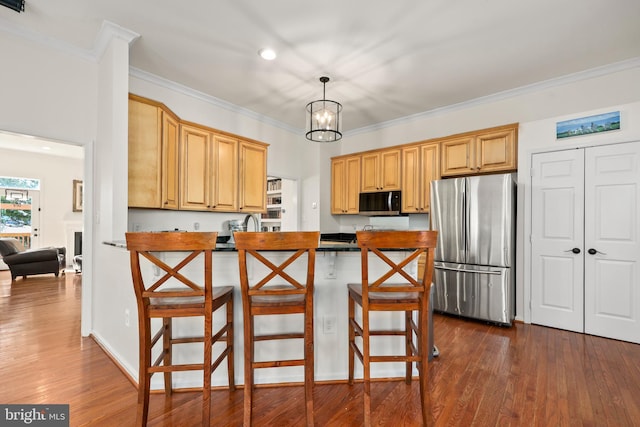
{"x": 323, "y": 118}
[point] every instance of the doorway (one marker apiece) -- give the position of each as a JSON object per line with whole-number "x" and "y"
{"x": 585, "y": 240}
{"x": 282, "y": 205}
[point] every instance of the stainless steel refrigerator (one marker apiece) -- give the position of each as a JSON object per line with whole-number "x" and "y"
{"x": 475, "y": 258}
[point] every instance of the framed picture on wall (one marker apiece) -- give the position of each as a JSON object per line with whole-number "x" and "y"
{"x": 588, "y": 125}
{"x": 78, "y": 196}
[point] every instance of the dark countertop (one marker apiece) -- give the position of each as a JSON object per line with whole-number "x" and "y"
{"x": 323, "y": 247}
{"x": 230, "y": 247}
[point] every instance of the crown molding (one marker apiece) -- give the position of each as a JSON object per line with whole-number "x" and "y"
{"x": 108, "y": 32}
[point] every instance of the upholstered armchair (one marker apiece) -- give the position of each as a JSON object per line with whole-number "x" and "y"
{"x": 28, "y": 262}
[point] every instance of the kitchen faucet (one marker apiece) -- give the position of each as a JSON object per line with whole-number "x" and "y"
{"x": 246, "y": 222}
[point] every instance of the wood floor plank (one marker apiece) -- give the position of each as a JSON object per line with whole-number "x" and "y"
{"x": 486, "y": 375}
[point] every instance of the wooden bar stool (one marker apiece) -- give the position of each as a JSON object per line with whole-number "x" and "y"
{"x": 261, "y": 298}
{"x": 382, "y": 294}
{"x": 176, "y": 294}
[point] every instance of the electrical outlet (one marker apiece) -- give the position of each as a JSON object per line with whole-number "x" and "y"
{"x": 329, "y": 324}
{"x": 127, "y": 317}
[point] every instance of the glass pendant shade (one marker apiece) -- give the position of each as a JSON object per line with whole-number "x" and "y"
{"x": 323, "y": 118}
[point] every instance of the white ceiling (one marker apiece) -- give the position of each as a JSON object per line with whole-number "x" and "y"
{"x": 12, "y": 141}
{"x": 386, "y": 59}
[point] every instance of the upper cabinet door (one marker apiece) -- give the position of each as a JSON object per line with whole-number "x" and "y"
{"x": 195, "y": 154}
{"x": 411, "y": 180}
{"x": 338, "y": 185}
{"x": 253, "y": 177}
{"x": 145, "y": 155}
{"x": 496, "y": 151}
{"x": 420, "y": 166}
{"x": 381, "y": 171}
{"x": 345, "y": 185}
{"x": 430, "y": 168}
{"x": 370, "y": 170}
{"x": 224, "y": 180}
{"x": 458, "y": 156}
{"x": 170, "y": 161}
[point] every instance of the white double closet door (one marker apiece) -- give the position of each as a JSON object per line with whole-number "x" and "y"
{"x": 585, "y": 243}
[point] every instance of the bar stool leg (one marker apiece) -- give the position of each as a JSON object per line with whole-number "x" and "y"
{"x": 352, "y": 338}
{"x": 167, "y": 335}
{"x": 230, "y": 370}
{"x": 423, "y": 370}
{"x": 366, "y": 364}
{"x": 248, "y": 368}
{"x": 309, "y": 360}
{"x": 206, "y": 383}
{"x": 144, "y": 377}
{"x": 408, "y": 351}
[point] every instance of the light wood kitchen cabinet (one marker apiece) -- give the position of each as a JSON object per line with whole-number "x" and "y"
{"x": 209, "y": 180}
{"x": 420, "y": 166}
{"x": 381, "y": 170}
{"x": 153, "y": 155}
{"x": 170, "y": 161}
{"x": 224, "y": 180}
{"x": 253, "y": 177}
{"x": 195, "y": 166}
{"x": 492, "y": 151}
{"x": 175, "y": 164}
{"x": 345, "y": 185}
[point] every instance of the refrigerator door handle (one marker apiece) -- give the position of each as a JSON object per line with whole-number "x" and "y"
{"x": 464, "y": 270}
{"x": 465, "y": 219}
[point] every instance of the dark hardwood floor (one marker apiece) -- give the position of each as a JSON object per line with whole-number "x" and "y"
{"x": 485, "y": 376}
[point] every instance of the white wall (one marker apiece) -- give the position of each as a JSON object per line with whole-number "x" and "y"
{"x": 45, "y": 92}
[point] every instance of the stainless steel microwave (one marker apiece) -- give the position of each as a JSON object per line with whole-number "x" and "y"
{"x": 381, "y": 203}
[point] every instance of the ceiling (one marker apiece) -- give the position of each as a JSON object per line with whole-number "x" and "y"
{"x": 386, "y": 59}
{"x": 32, "y": 144}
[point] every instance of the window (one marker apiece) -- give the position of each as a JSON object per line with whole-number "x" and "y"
{"x": 16, "y": 204}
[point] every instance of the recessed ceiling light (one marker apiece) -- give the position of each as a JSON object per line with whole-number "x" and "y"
{"x": 267, "y": 54}
{"x": 45, "y": 148}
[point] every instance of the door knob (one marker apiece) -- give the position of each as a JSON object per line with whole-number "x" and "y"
{"x": 595, "y": 251}
{"x": 574, "y": 250}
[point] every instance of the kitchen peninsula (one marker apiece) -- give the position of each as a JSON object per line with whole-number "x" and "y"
{"x": 337, "y": 263}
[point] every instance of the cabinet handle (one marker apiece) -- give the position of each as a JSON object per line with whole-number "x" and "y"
{"x": 595, "y": 251}
{"x": 574, "y": 250}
